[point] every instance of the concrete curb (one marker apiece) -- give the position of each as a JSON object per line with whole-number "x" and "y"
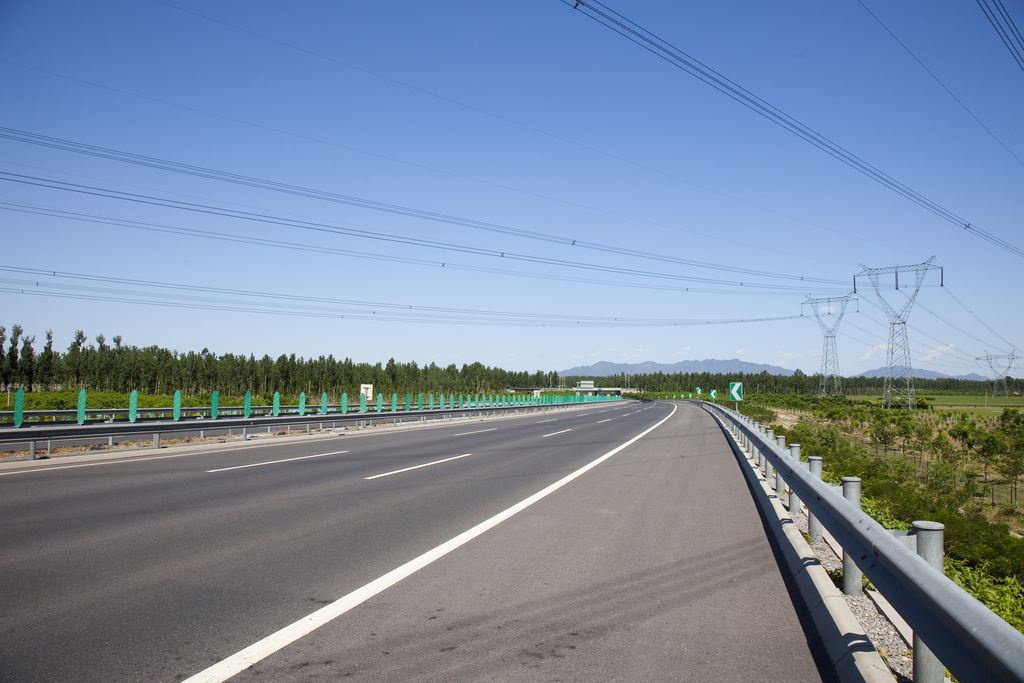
{"x": 848, "y": 646}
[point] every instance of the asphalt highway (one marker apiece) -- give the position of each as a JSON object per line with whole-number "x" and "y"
{"x": 652, "y": 565}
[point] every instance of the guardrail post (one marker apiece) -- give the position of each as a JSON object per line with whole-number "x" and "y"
{"x": 156, "y": 440}
{"x": 853, "y": 584}
{"x": 927, "y": 668}
{"x": 32, "y": 450}
{"x": 780, "y": 485}
{"x": 769, "y": 471}
{"x": 813, "y": 523}
{"x": 245, "y": 433}
{"x": 794, "y": 499}
{"x": 754, "y": 453}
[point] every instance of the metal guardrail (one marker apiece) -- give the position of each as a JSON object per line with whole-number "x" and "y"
{"x": 970, "y": 640}
{"x": 42, "y": 431}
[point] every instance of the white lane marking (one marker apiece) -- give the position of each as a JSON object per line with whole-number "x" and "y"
{"x": 605, "y": 420}
{"x": 554, "y": 419}
{"x": 243, "y": 659}
{"x": 553, "y": 433}
{"x": 479, "y": 431}
{"x": 583, "y": 414}
{"x": 117, "y": 461}
{"x": 416, "y": 467}
{"x": 274, "y": 462}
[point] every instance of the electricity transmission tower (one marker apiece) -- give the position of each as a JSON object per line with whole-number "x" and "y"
{"x": 899, "y": 378}
{"x": 830, "y": 377}
{"x": 999, "y": 375}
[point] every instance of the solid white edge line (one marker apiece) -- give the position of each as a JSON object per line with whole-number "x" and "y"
{"x": 553, "y": 433}
{"x": 554, "y": 419}
{"x": 479, "y": 431}
{"x": 416, "y": 467}
{"x": 607, "y": 419}
{"x": 274, "y": 462}
{"x": 243, "y": 659}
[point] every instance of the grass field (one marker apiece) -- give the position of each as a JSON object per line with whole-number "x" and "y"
{"x": 977, "y": 405}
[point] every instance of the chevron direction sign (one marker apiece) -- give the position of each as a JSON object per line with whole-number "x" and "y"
{"x": 714, "y": 394}
{"x": 735, "y": 391}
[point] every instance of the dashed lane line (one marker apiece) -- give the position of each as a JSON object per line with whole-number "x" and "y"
{"x": 260, "y": 650}
{"x": 274, "y": 462}
{"x": 416, "y": 467}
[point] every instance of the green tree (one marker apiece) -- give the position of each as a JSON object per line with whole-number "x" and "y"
{"x": 923, "y": 433}
{"x": 1011, "y": 464}
{"x": 46, "y": 367}
{"x": 4, "y": 370}
{"x": 882, "y": 433}
{"x": 966, "y": 434}
{"x": 991, "y": 447}
{"x": 942, "y": 448}
{"x": 12, "y": 356}
{"x": 27, "y": 362}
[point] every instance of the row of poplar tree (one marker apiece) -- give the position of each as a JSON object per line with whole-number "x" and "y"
{"x": 155, "y": 370}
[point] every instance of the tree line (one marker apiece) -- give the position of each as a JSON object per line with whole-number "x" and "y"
{"x": 798, "y": 383}
{"x": 156, "y": 370}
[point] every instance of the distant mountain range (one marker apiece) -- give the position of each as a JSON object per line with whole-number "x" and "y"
{"x": 924, "y": 374}
{"x": 712, "y": 366}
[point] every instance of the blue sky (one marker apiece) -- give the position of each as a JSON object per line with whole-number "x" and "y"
{"x": 528, "y": 116}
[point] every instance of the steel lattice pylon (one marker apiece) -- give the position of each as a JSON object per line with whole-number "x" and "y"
{"x": 999, "y": 375}
{"x": 829, "y": 353}
{"x": 898, "y": 372}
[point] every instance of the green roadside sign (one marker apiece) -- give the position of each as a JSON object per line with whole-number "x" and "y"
{"x": 714, "y": 394}
{"x": 735, "y": 391}
{"x": 19, "y": 407}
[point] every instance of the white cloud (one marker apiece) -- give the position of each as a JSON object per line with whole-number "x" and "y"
{"x": 740, "y": 352}
{"x": 787, "y": 356}
{"x": 873, "y": 350}
{"x": 937, "y": 352}
{"x": 681, "y": 352}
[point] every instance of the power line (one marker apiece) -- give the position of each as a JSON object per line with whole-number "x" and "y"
{"x": 320, "y": 249}
{"x": 359, "y": 202}
{"x": 371, "y": 235}
{"x": 645, "y": 39}
{"x": 950, "y": 92}
{"x": 55, "y": 284}
{"x": 470, "y": 107}
{"x": 972, "y": 314}
{"x": 952, "y": 348}
{"x": 1005, "y": 28}
{"x": 881, "y": 347}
